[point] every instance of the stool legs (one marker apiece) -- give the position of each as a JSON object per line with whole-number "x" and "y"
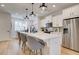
{"x": 41, "y": 51}
{"x": 24, "y": 46}
{"x": 19, "y": 42}
{"x": 36, "y": 52}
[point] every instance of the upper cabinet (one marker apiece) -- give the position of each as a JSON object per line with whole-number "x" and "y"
{"x": 75, "y": 11}
{"x": 71, "y": 12}
{"x": 57, "y": 21}
{"x": 67, "y": 13}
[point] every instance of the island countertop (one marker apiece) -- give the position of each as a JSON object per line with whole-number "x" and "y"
{"x": 42, "y": 35}
{"x": 53, "y": 40}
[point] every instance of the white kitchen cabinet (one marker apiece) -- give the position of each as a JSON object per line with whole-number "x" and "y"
{"x": 67, "y": 13}
{"x": 71, "y": 12}
{"x": 57, "y": 21}
{"x": 75, "y": 11}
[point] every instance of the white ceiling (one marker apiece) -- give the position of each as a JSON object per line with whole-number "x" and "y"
{"x": 19, "y": 8}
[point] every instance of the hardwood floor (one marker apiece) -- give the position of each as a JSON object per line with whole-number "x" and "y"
{"x": 65, "y": 51}
{"x": 12, "y": 48}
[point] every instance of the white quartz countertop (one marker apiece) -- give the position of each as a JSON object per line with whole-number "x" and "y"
{"x": 53, "y": 41}
{"x": 44, "y": 36}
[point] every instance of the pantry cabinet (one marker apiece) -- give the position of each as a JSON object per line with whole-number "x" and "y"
{"x": 71, "y": 12}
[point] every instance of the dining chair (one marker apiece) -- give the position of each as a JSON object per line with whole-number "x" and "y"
{"x": 24, "y": 41}
{"x": 34, "y": 45}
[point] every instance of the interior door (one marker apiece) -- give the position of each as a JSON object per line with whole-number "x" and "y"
{"x": 5, "y": 25}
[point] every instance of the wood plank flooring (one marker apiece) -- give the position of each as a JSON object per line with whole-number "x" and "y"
{"x": 65, "y": 51}
{"x": 12, "y": 48}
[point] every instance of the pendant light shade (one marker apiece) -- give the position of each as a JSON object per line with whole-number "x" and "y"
{"x": 32, "y": 13}
{"x": 26, "y": 17}
{"x": 43, "y": 6}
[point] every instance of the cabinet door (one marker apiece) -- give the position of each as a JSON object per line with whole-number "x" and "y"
{"x": 60, "y": 20}
{"x": 75, "y": 11}
{"x": 71, "y": 12}
{"x": 57, "y": 21}
{"x": 67, "y": 13}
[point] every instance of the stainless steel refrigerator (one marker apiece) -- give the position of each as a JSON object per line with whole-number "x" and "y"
{"x": 71, "y": 33}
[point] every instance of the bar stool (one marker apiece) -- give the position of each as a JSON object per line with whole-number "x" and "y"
{"x": 34, "y": 45}
{"x": 24, "y": 40}
{"x": 19, "y": 37}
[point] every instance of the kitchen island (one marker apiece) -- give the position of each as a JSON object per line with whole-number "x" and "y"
{"x": 53, "y": 41}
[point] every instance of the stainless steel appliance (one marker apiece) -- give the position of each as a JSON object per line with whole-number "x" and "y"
{"x": 71, "y": 33}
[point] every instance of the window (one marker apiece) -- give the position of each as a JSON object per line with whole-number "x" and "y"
{"x": 20, "y": 25}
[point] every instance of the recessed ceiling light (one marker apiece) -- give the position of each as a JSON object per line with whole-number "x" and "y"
{"x": 53, "y": 5}
{"x": 2, "y": 5}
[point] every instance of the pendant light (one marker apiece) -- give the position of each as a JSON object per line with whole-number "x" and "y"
{"x": 26, "y": 17}
{"x": 32, "y": 13}
{"x": 43, "y": 6}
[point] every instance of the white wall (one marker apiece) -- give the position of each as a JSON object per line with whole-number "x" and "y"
{"x": 33, "y": 20}
{"x": 17, "y": 28}
{"x": 13, "y": 32}
{"x": 5, "y": 26}
{"x": 45, "y": 20}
